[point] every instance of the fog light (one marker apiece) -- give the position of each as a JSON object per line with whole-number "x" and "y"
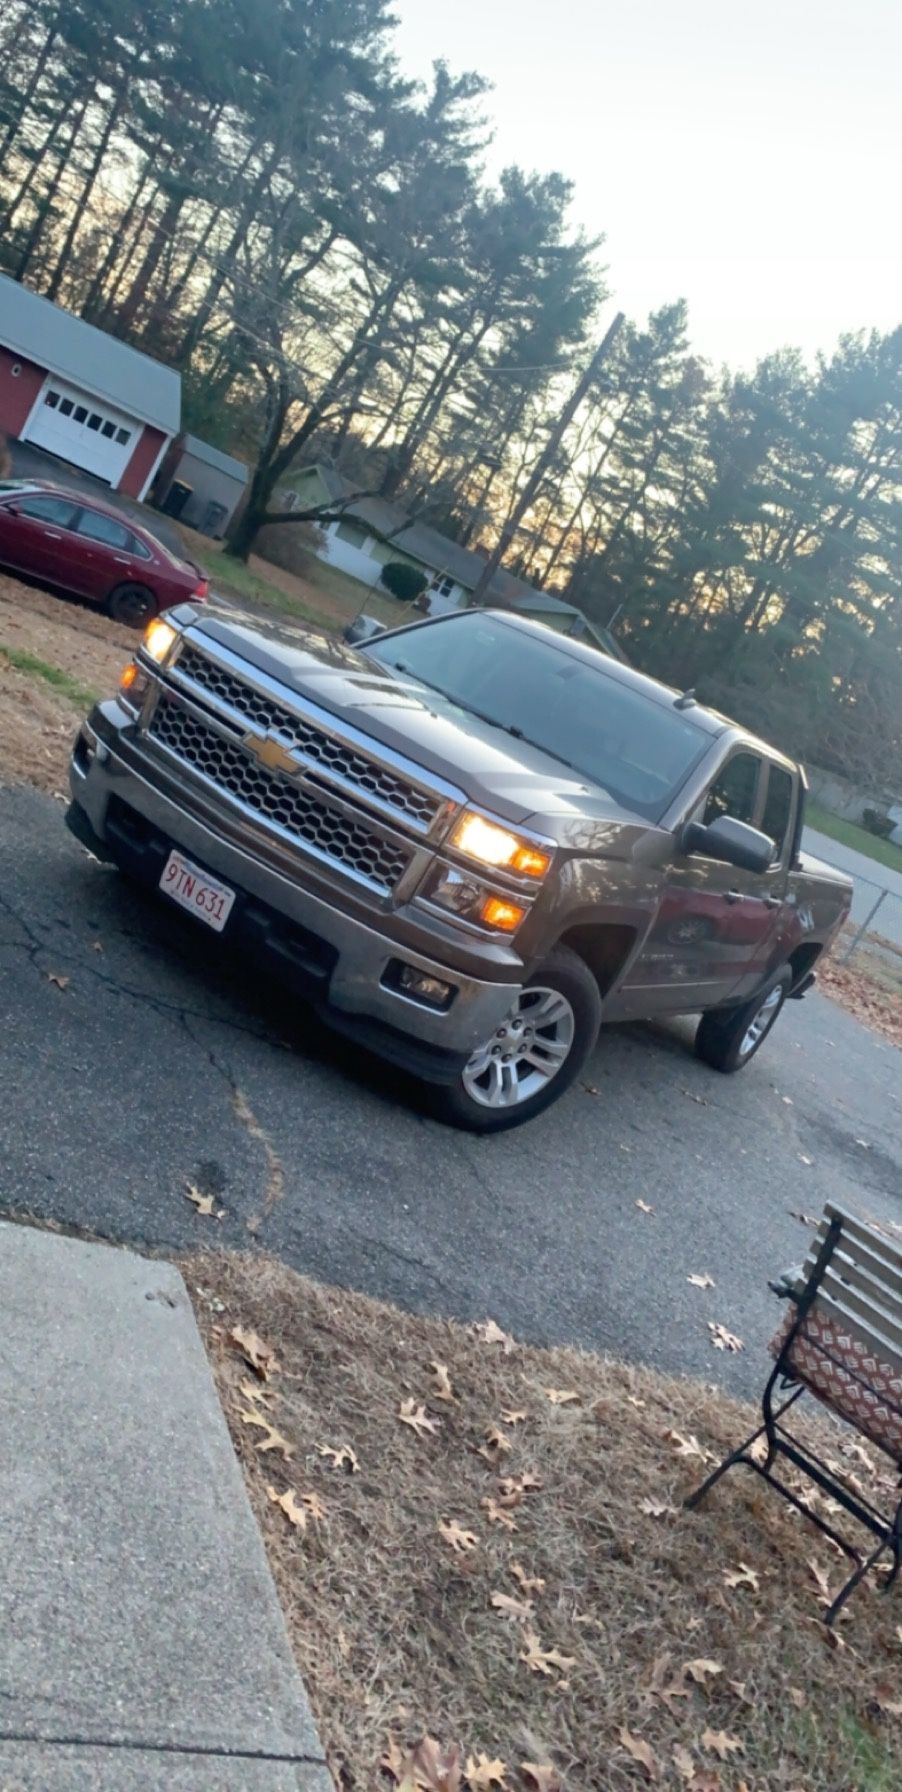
{"x": 423, "y": 987}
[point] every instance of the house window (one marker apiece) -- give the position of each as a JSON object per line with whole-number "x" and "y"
{"x": 95, "y": 420}
{"x": 441, "y": 583}
{"x": 66, "y": 407}
{"x": 52, "y": 400}
{"x": 123, "y": 436}
{"x": 109, "y": 429}
{"x": 352, "y": 534}
{"x": 79, "y": 414}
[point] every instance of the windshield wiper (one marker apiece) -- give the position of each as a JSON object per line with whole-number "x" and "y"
{"x": 480, "y": 714}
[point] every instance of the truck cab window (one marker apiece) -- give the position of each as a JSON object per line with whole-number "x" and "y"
{"x": 778, "y": 807}
{"x": 734, "y": 789}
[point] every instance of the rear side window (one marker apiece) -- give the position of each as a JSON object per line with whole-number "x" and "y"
{"x": 105, "y": 528}
{"x": 734, "y": 789}
{"x": 48, "y": 510}
{"x": 778, "y": 807}
{"x": 137, "y": 548}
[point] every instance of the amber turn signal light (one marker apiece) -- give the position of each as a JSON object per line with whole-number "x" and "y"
{"x": 531, "y": 861}
{"x": 501, "y": 914}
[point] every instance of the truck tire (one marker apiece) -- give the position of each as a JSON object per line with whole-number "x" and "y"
{"x": 728, "y": 1038}
{"x": 536, "y": 1053}
{"x": 132, "y": 604}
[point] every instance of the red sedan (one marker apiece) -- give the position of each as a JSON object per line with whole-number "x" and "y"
{"x": 53, "y": 534}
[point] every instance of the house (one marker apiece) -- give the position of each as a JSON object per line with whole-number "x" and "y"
{"x": 200, "y": 484}
{"x": 81, "y": 394}
{"x": 370, "y": 531}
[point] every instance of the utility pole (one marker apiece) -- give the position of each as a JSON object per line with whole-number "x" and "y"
{"x": 545, "y": 459}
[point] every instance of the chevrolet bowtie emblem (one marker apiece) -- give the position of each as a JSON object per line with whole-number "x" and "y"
{"x": 271, "y": 753}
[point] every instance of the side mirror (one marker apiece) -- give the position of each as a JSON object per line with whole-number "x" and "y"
{"x": 363, "y": 628}
{"x": 733, "y": 842}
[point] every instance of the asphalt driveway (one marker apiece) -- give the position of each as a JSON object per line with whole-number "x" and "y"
{"x": 157, "y": 1064}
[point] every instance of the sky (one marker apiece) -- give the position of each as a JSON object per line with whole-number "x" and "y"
{"x": 745, "y": 155}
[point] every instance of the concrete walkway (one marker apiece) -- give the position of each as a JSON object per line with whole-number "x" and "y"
{"x": 142, "y": 1645}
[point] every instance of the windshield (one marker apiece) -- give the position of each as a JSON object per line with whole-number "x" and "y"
{"x": 638, "y": 750}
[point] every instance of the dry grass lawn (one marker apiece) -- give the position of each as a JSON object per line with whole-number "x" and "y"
{"x": 512, "y": 1572}
{"x": 54, "y": 655}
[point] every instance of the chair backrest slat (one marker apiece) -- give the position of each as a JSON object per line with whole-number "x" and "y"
{"x": 876, "y": 1242}
{"x": 864, "y": 1322}
{"x": 861, "y": 1289}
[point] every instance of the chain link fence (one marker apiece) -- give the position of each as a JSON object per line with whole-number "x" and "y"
{"x": 874, "y": 929}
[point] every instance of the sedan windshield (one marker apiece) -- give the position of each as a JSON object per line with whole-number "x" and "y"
{"x": 636, "y": 749}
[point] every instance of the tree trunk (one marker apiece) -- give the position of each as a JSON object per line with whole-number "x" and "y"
{"x": 163, "y": 229}
{"x": 120, "y": 242}
{"x": 19, "y": 116}
{"x": 47, "y": 203}
{"x": 205, "y": 310}
{"x": 79, "y": 209}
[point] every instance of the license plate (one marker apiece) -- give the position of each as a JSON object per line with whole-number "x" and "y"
{"x": 194, "y": 890}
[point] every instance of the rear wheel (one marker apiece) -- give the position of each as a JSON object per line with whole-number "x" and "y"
{"x": 534, "y": 1055}
{"x": 132, "y": 604}
{"x": 728, "y": 1038}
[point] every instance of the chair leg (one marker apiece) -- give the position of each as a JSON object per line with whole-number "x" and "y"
{"x": 768, "y": 1429}
{"x": 896, "y": 1546}
{"x": 740, "y": 1455}
{"x": 833, "y": 1611}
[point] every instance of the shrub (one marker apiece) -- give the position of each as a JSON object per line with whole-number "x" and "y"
{"x": 404, "y": 581}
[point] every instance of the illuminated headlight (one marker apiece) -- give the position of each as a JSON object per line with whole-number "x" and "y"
{"x": 158, "y": 639}
{"x": 467, "y": 897}
{"x": 497, "y": 846}
{"x": 133, "y": 686}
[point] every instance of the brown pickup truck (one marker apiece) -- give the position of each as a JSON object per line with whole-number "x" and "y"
{"x": 469, "y": 841}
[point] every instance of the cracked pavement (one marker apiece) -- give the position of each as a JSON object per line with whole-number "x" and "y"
{"x": 161, "y": 1063}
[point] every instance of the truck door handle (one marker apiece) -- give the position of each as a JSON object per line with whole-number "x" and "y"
{"x": 51, "y": 535}
{"x": 121, "y": 560}
{"x": 733, "y": 895}
{"x": 772, "y": 902}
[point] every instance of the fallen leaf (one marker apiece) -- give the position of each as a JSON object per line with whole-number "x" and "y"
{"x": 315, "y": 1506}
{"x": 482, "y": 1774}
{"x": 706, "y": 1780}
{"x": 344, "y": 1457}
{"x": 798, "y": 1698}
{"x": 542, "y": 1774}
{"x": 260, "y": 1356}
{"x": 590, "y": 1088}
{"x": 542, "y": 1661}
{"x": 717, "y": 1742}
{"x": 274, "y": 1441}
{"x": 702, "y": 1669}
{"x": 722, "y": 1339}
{"x": 97, "y": 946}
{"x": 758, "y": 1451}
{"x": 644, "y": 1207}
{"x": 58, "y": 979}
{"x": 433, "y": 1768}
{"x": 518, "y": 1610}
{"x": 460, "y": 1540}
{"x": 805, "y": 1160}
{"x": 510, "y": 1416}
{"x": 249, "y": 1390}
{"x": 560, "y": 1396}
{"x": 702, "y": 1281}
{"x": 787, "y": 1099}
{"x": 513, "y": 1487}
{"x": 530, "y": 1584}
{"x": 443, "y": 1389}
{"x": 853, "y": 1448}
{"x": 656, "y": 1508}
{"x": 684, "y": 1446}
{"x": 806, "y": 1219}
{"x": 205, "y": 1204}
{"x": 394, "y": 1760}
{"x": 683, "y": 1763}
{"x": 743, "y": 1576}
{"x": 863, "y": 1143}
{"x": 641, "y": 1752}
{"x": 740, "y": 1688}
{"x": 634, "y": 1402}
{"x": 886, "y": 1702}
{"x": 497, "y": 1440}
{"x": 498, "y": 1515}
{"x": 417, "y": 1418}
{"x": 823, "y": 1583}
{"x": 490, "y": 1333}
{"x": 288, "y": 1504}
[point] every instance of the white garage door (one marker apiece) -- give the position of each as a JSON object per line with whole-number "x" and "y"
{"x": 83, "y": 431}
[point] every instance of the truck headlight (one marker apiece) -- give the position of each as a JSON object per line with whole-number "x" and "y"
{"x": 133, "y": 686}
{"x": 158, "y": 639}
{"x": 493, "y": 845}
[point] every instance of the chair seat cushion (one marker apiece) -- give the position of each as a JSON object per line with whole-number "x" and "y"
{"x": 846, "y": 1374}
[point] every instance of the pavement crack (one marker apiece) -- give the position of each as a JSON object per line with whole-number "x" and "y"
{"x": 274, "y": 1185}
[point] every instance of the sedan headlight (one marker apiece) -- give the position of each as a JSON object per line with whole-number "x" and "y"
{"x": 491, "y": 844}
{"x": 158, "y": 639}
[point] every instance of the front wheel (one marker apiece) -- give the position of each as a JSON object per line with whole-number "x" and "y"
{"x": 534, "y": 1054}
{"x": 132, "y": 604}
{"x": 728, "y": 1038}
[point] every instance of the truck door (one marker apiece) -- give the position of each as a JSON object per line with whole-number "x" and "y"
{"x": 716, "y": 925}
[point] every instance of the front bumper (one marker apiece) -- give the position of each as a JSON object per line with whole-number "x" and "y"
{"x": 331, "y": 957}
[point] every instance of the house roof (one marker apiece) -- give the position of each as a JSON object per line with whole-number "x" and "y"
{"x": 44, "y": 333}
{"x": 214, "y": 457}
{"x": 443, "y": 555}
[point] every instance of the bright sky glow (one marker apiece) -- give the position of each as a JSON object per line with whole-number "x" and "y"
{"x": 743, "y": 154}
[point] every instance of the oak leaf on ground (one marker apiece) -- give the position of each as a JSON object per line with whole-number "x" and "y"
{"x": 722, "y": 1339}
{"x": 344, "y": 1457}
{"x": 481, "y": 1774}
{"x": 542, "y": 1775}
{"x": 560, "y": 1396}
{"x": 417, "y": 1418}
{"x": 544, "y": 1661}
{"x": 718, "y": 1742}
{"x": 461, "y": 1541}
{"x": 491, "y": 1333}
{"x": 529, "y": 1583}
{"x": 512, "y": 1415}
{"x": 684, "y": 1764}
{"x": 58, "y": 980}
{"x": 205, "y": 1204}
{"x": 498, "y": 1515}
{"x": 259, "y": 1355}
{"x": 519, "y": 1611}
{"x": 743, "y": 1576}
{"x": 288, "y": 1504}
{"x": 442, "y": 1389}
{"x": 642, "y": 1753}
{"x": 702, "y": 1669}
{"x": 702, "y": 1281}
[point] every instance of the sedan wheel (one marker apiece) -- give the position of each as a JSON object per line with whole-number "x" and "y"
{"x": 132, "y": 604}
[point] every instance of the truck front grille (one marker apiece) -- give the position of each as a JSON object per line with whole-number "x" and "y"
{"x": 330, "y": 835}
{"x": 419, "y": 807}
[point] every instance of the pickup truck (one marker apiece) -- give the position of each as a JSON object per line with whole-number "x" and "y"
{"x": 469, "y": 841}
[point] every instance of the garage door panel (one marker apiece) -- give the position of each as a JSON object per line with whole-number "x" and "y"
{"x": 83, "y": 431}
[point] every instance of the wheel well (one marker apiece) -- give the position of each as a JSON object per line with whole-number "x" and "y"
{"x": 801, "y": 961}
{"x": 603, "y": 949}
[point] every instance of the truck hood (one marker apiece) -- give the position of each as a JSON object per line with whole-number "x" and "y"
{"x": 509, "y": 776}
